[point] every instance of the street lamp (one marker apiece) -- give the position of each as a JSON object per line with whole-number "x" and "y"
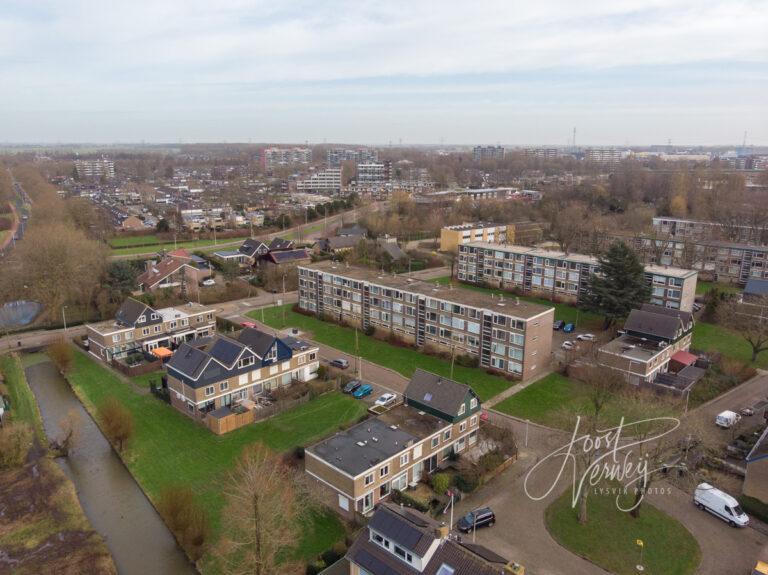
{"x": 64, "y": 317}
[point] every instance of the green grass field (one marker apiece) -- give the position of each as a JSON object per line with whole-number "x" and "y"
{"x": 566, "y": 312}
{"x": 715, "y": 338}
{"x": 192, "y": 244}
{"x": 404, "y": 360}
{"x": 169, "y": 448}
{"x": 144, "y": 380}
{"x": 129, "y": 241}
{"x": 609, "y": 538}
{"x": 23, "y": 404}
{"x": 703, "y": 287}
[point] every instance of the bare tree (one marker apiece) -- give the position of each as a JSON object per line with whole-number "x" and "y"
{"x": 749, "y": 319}
{"x": 62, "y": 355}
{"x": 69, "y": 429}
{"x": 265, "y": 507}
{"x": 116, "y": 421}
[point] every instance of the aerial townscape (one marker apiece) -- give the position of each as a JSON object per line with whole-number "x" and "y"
{"x": 395, "y": 289}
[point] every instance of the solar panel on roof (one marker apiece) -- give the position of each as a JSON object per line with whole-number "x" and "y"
{"x": 396, "y": 529}
{"x": 373, "y": 564}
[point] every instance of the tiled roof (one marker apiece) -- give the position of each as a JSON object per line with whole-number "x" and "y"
{"x": 130, "y": 311}
{"x": 441, "y": 393}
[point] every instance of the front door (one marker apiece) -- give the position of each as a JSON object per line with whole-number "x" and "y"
{"x": 432, "y": 464}
{"x": 417, "y": 469}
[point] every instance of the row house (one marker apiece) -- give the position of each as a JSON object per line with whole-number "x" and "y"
{"x": 360, "y": 467}
{"x": 402, "y": 540}
{"x": 232, "y": 370}
{"x": 560, "y": 275}
{"x": 652, "y": 337}
{"x": 137, "y": 326}
{"x": 504, "y": 334}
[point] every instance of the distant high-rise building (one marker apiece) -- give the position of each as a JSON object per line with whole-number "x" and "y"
{"x": 488, "y": 153}
{"x": 374, "y": 173}
{"x": 336, "y": 156}
{"x": 545, "y": 153}
{"x": 95, "y": 169}
{"x": 274, "y": 157}
{"x": 605, "y": 155}
{"x": 322, "y": 182}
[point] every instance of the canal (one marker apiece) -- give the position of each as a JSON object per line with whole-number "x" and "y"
{"x": 114, "y": 503}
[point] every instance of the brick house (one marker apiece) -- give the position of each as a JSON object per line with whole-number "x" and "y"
{"x": 361, "y": 466}
{"x": 177, "y": 270}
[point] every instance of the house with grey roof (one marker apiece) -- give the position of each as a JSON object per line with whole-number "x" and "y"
{"x": 361, "y": 466}
{"x": 227, "y": 371}
{"x": 403, "y": 541}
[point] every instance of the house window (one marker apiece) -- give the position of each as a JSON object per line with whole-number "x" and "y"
{"x": 403, "y": 459}
{"x": 243, "y": 379}
{"x": 447, "y": 434}
{"x": 209, "y": 390}
{"x": 312, "y": 356}
{"x": 384, "y": 471}
{"x": 141, "y": 319}
{"x": 435, "y": 441}
{"x": 116, "y": 338}
{"x": 271, "y": 354}
{"x": 473, "y": 403}
{"x": 224, "y": 386}
{"x": 473, "y": 420}
{"x": 473, "y": 437}
{"x": 367, "y": 502}
{"x": 343, "y": 503}
{"x": 155, "y": 316}
{"x": 369, "y": 479}
{"x": 403, "y": 554}
{"x": 145, "y": 331}
{"x": 128, "y": 336}
{"x": 246, "y": 361}
{"x": 302, "y": 359}
{"x": 462, "y": 427}
{"x": 157, "y": 329}
{"x": 417, "y": 452}
{"x": 462, "y": 409}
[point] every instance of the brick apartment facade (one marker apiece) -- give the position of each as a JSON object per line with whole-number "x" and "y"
{"x": 504, "y": 334}
{"x": 559, "y": 275}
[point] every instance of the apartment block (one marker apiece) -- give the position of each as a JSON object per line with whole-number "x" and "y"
{"x": 326, "y": 181}
{"x": 395, "y": 450}
{"x": 139, "y": 327}
{"x": 606, "y": 156}
{"x": 336, "y": 156}
{"x": 543, "y": 153}
{"x": 273, "y": 157}
{"x": 505, "y": 334}
{"x": 682, "y": 229}
{"x": 514, "y": 233}
{"x": 95, "y": 168}
{"x": 236, "y": 371}
{"x": 482, "y": 153}
{"x": 374, "y": 173}
{"x": 559, "y": 275}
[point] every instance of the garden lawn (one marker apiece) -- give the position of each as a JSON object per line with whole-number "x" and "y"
{"x": 404, "y": 360}
{"x": 126, "y": 241}
{"x": 715, "y": 338}
{"x": 610, "y": 536}
{"x": 23, "y": 403}
{"x": 147, "y": 378}
{"x": 705, "y": 287}
{"x": 563, "y": 311}
{"x": 170, "y": 448}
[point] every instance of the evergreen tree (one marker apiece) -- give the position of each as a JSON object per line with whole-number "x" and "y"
{"x": 620, "y": 286}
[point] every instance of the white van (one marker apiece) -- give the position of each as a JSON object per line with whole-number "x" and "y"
{"x": 720, "y": 504}
{"x": 727, "y": 419}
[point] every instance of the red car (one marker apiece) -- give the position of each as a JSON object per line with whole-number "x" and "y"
{"x": 247, "y": 324}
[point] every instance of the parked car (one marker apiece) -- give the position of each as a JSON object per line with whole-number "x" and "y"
{"x": 339, "y": 362}
{"x": 568, "y": 345}
{"x": 727, "y": 419}
{"x": 720, "y": 504}
{"x": 352, "y": 386}
{"x": 558, "y": 325}
{"x": 483, "y": 517}
{"x": 747, "y": 412}
{"x": 386, "y": 399}
{"x": 247, "y": 324}
{"x": 585, "y": 337}
{"x": 362, "y": 391}
{"x": 209, "y": 282}
{"x": 568, "y": 328}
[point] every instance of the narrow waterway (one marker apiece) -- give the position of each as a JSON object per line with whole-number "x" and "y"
{"x": 117, "y": 508}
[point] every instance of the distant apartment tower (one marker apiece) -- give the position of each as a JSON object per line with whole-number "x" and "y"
{"x": 274, "y": 157}
{"x": 374, "y": 173}
{"x": 326, "y": 181}
{"x": 524, "y": 232}
{"x": 482, "y": 153}
{"x": 95, "y": 169}
{"x": 544, "y": 153}
{"x": 604, "y": 156}
{"x": 337, "y": 156}
{"x": 506, "y": 334}
{"x": 560, "y": 275}
{"x": 683, "y": 229}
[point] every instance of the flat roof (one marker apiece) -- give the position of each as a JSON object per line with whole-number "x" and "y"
{"x": 669, "y": 271}
{"x": 539, "y": 252}
{"x": 633, "y": 348}
{"x": 509, "y": 306}
{"x": 474, "y": 226}
{"x": 375, "y": 440}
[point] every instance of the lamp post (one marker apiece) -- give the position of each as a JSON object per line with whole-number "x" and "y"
{"x": 64, "y": 317}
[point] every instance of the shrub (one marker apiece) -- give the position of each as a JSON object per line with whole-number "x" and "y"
{"x": 754, "y": 507}
{"x": 408, "y": 501}
{"x": 490, "y": 461}
{"x": 61, "y": 355}
{"x": 322, "y": 372}
{"x": 369, "y": 330}
{"x": 468, "y": 478}
{"x": 440, "y": 483}
{"x": 466, "y": 360}
{"x": 185, "y": 518}
{"x": 116, "y": 421}
{"x": 15, "y": 443}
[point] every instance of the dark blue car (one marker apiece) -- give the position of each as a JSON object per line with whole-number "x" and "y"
{"x": 569, "y": 327}
{"x": 362, "y": 391}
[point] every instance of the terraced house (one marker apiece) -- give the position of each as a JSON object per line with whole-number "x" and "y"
{"x": 505, "y": 334}
{"x": 560, "y": 275}
{"x": 361, "y": 466}
{"x": 229, "y": 371}
{"x": 138, "y": 326}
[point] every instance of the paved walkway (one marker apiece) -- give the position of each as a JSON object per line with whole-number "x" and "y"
{"x": 513, "y": 390}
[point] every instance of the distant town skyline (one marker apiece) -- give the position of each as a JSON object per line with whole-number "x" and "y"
{"x": 622, "y": 72}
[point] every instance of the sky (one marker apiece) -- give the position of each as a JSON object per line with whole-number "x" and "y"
{"x": 693, "y": 72}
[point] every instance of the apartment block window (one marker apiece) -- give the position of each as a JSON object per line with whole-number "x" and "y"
{"x": 209, "y": 390}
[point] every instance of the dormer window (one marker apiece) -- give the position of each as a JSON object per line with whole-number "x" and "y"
{"x": 271, "y": 354}
{"x": 246, "y": 361}
{"x": 155, "y": 316}
{"x": 141, "y": 319}
{"x": 463, "y": 409}
{"x": 473, "y": 403}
